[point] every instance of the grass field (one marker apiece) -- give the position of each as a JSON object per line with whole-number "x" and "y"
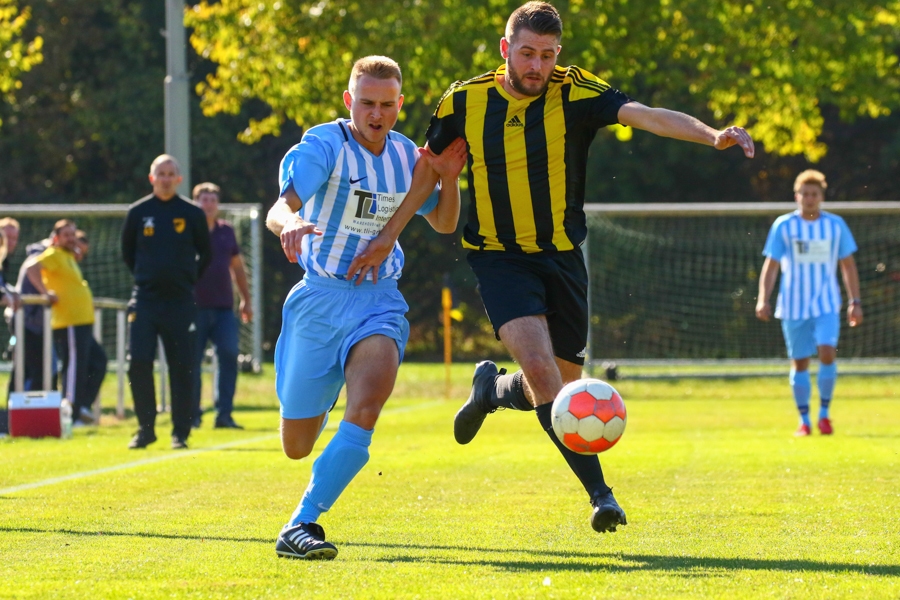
{"x": 722, "y": 502}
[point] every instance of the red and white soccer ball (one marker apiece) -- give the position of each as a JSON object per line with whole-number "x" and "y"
{"x": 588, "y": 416}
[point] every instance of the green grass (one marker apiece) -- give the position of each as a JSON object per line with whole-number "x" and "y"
{"x": 722, "y": 502}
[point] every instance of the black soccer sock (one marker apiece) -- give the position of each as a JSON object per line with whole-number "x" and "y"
{"x": 509, "y": 392}
{"x": 585, "y": 466}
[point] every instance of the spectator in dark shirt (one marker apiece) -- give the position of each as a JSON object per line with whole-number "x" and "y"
{"x": 95, "y": 375}
{"x": 9, "y": 234}
{"x": 165, "y": 243}
{"x": 215, "y": 307}
{"x": 33, "y": 317}
{"x": 82, "y": 245}
{"x": 10, "y": 229}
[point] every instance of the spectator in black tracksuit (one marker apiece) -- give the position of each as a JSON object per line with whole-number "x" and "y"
{"x": 165, "y": 243}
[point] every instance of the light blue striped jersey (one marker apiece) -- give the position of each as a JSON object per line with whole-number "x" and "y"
{"x": 809, "y": 252}
{"x": 349, "y": 194}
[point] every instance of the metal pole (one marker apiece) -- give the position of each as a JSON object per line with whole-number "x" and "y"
{"x": 48, "y": 355}
{"x": 447, "y": 306}
{"x": 256, "y": 279}
{"x": 98, "y": 325}
{"x": 177, "y": 111}
{"x": 20, "y": 350}
{"x": 120, "y": 362}
{"x": 98, "y": 335}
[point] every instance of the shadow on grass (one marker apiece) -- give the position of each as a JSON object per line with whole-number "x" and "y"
{"x": 545, "y": 560}
{"x": 618, "y": 562}
{"x": 249, "y": 450}
{"x": 243, "y": 429}
{"x": 111, "y": 411}
{"x": 140, "y": 534}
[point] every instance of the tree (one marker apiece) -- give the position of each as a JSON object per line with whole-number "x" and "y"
{"x": 86, "y": 123}
{"x": 742, "y": 61}
{"x": 16, "y": 55}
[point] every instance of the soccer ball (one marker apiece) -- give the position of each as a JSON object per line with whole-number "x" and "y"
{"x": 588, "y": 416}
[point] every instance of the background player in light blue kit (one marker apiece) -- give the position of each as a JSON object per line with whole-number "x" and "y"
{"x": 807, "y": 245}
{"x": 339, "y": 186}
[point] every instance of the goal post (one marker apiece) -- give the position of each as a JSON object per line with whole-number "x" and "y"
{"x": 676, "y": 284}
{"x": 107, "y": 274}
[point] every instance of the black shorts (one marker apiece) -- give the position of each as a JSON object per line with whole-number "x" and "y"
{"x": 554, "y": 284}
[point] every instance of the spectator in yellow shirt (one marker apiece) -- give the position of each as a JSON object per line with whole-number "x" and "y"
{"x": 56, "y": 274}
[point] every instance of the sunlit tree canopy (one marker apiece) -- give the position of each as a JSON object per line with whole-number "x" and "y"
{"x": 766, "y": 65}
{"x": 17, "y": 55}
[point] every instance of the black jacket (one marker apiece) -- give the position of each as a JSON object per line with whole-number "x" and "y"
{"x": 166, "y": 245}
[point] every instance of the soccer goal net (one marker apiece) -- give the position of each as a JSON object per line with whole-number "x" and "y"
{"x": 677, "y": 284}
{"x": 104, "y": 270}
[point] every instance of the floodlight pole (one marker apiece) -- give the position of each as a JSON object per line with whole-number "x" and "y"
{"x": 177, "y": 111}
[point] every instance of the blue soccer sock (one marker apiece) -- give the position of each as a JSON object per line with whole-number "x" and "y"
{"x": 823, "y": 408}
{"x": 802, "y": 388}
{"x": 344, "y": 456}
{"x": 826, "y": 379}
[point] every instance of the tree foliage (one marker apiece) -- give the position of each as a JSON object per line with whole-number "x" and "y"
{"x": 17, "y": 55}
{"x": 87, "y": 116}
{"x": 769, "y": 66}
{"x": 296, "y": 56}
{"x": 87, "y": 121}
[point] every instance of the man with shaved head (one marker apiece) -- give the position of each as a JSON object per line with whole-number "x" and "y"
{"x": 165, "y": 243}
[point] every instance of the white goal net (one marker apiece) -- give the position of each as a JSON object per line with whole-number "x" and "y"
{"x": 677, "y": 284}
{"x": 107, "y": 274}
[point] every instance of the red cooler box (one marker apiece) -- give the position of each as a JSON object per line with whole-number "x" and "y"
{"x": 35, "y": 414}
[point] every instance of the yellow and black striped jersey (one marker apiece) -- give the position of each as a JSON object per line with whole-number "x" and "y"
{"x": 527, "y": 158}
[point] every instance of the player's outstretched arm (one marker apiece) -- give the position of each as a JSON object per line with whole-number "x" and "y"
{"x": 851, "y": 282}
{"x": 680, "y": 126}
{"x": 766, "y": 283}
{"x": 283, "y": 220}
{"x": 422, "y": 184}
{"x": 448, "y": 164}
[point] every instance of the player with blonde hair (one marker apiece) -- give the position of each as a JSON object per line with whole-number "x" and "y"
{"x": 807, "y": 246}
{"x": 165, "y": 244}
{"x": 339, "y": 186}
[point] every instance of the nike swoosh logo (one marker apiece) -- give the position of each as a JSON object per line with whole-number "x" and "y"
{"x": 352, "y": 181}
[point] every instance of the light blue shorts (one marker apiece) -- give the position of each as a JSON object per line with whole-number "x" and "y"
{"x": 322, "y": 320}
{"x": 803, "y": 336}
